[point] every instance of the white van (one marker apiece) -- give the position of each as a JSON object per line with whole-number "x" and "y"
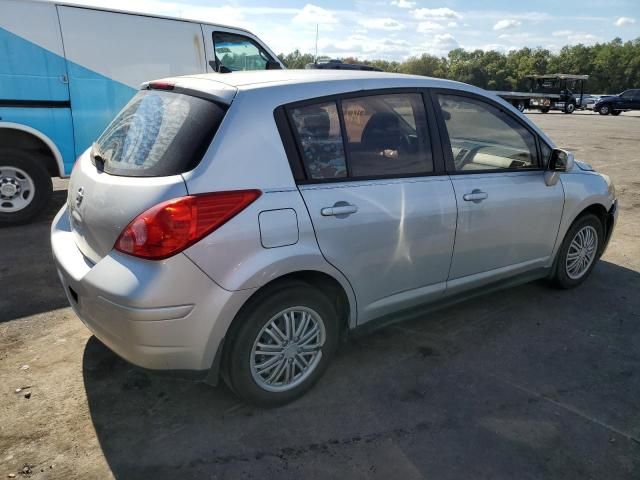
{"x": 66, "y": 70}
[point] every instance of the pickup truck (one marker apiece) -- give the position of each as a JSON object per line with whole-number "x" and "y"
{"x": 616, "y": 104}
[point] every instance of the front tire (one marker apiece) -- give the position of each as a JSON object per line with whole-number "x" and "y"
{"x": 25, "y": 187}
{"x": 579, "y": 252}
{"x": 283, "y": 344}
{"x": 604, "y": 110}
{"x": 570, "y": 108}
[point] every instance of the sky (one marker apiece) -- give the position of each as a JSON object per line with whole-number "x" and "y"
{"x": 397, "y": 29}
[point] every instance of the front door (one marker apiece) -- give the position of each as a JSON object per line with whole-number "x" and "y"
{"x": 381, "y": 215}
{"x": 508, "y": 218}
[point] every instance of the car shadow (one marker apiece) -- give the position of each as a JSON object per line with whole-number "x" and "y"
{"x": 488, "y": 385}
{"x": 27, "y": 267}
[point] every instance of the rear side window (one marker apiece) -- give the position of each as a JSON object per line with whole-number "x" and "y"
{"x": 364, "y": 137}
{"x": 320, "y": 139}
{"x": 387, "y": 135}
{"x": 158, "y": 133}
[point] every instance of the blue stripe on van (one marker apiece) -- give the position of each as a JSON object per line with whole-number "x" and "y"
{"x": 34, "y": 73}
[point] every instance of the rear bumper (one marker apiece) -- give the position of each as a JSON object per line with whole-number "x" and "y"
{"x": 159, "y": 315}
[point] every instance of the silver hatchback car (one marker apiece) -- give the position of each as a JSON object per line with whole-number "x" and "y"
{"x": 238, "y": 225}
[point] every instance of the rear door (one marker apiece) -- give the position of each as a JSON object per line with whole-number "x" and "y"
{"x": 382, "y": 213}
{"x": 137, "y": 163}
{"x": 231, "y": 50}
{"x": 508, "y": 217}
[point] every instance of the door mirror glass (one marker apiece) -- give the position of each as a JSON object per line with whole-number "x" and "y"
{"x": 561, "y": 160}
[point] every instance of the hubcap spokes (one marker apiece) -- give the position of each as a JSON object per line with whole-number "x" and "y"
{"x": 16, "y": 189}
{"x": 287, "y": 349}
{"x": 582, "y": 252}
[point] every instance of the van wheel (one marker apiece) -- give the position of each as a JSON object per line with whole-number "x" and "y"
{"x": 25, "y": 187}
{"x": 283, "y": 345}
{"x": 579, "y": 252}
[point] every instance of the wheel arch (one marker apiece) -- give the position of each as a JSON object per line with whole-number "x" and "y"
{"x": 16, "y": 135}
{"x": 344, "y": 301}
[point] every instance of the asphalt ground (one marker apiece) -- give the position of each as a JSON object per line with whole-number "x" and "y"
{"x": 525, "y": 383}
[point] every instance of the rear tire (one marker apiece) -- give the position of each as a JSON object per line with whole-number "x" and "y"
{"x": 520, "y": 106}
{"x": 579, "y": 252}
{"x": 295, "y": 351}
{"x": 544, "y": 110}
{"x": 615, "y": 113}
{"x": 25, "y": 187}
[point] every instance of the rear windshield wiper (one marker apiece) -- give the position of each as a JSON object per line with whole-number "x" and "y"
{"x": 98, "y": 159}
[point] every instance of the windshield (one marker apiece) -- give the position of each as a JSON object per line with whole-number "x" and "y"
{"x": 158, "y": 133}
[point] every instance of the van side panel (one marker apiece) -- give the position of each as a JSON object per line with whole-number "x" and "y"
{"x": 34, "y": 91}
{"x": 32, "y": 65}
{"x": 110, "y": 54}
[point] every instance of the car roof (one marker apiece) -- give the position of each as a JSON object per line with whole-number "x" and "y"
{"x": 258, "y": 79}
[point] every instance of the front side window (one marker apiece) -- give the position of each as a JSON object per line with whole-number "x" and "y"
{"x": 237, "y": 52}
{"x": 628, "y": 95}
{"x": 482, "y": 137}
{"x": 387, "y": 135}
{"x": 320, "y": 140}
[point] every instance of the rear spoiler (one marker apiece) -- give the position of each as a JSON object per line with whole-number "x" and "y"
{"x": 196, "y": 87}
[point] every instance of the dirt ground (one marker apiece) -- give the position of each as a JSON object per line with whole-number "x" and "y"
{"x": 526, "y": 383}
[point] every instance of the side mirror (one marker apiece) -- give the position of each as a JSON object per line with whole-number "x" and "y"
{"x": 560, "y": 161}
{"x": 273, "y": 65}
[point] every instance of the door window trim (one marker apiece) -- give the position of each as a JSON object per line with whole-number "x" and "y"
{"x": 291, "y": 140}
{"x": 446, "y": 145}
{"x": 251, "y": 40}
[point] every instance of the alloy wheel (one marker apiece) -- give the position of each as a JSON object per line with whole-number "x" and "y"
{"x": 582, "y": 252}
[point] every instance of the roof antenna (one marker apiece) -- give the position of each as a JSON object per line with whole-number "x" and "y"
{"x": 316, "y": 61}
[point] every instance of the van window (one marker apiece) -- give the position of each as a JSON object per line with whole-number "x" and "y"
{"x": 158, "y": 133}
{"x": 237, "y": 52}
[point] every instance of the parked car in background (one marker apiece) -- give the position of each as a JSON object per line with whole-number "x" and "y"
{"x": 587, "y": 102}
{"x": 616, "y": 104}
{"x": 241, "y": 223}
{"x": 66, "y": 71}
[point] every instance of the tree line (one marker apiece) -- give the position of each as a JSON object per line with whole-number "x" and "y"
{"x": 612, "y": 66}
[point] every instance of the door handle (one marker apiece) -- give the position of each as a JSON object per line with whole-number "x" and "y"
{"x": 476, "y": 196}
{"x": 338, "y": 209}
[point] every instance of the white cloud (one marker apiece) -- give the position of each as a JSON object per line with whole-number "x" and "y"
{"x": 440, "y": 45}
{"x": 562, "y": 33}
{"x": 403, "y": 3}
{"x": 623, "y": 21}
{"x": 435, "y": 13}
{"x": 584, "y": 38}
{"x": 452, "y": 24}
{"x": 506, "y": 24}
{"x": 314, "y": 14}
{"x": 429, "y": 26}
{"x": 381, "y": 24}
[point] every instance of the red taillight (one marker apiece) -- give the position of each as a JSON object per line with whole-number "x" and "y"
{"x": 162, "y": 85}
{"x": 171, "y": 226}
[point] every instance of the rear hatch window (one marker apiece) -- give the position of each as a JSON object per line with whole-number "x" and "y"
{"x": 158, "y": 133}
